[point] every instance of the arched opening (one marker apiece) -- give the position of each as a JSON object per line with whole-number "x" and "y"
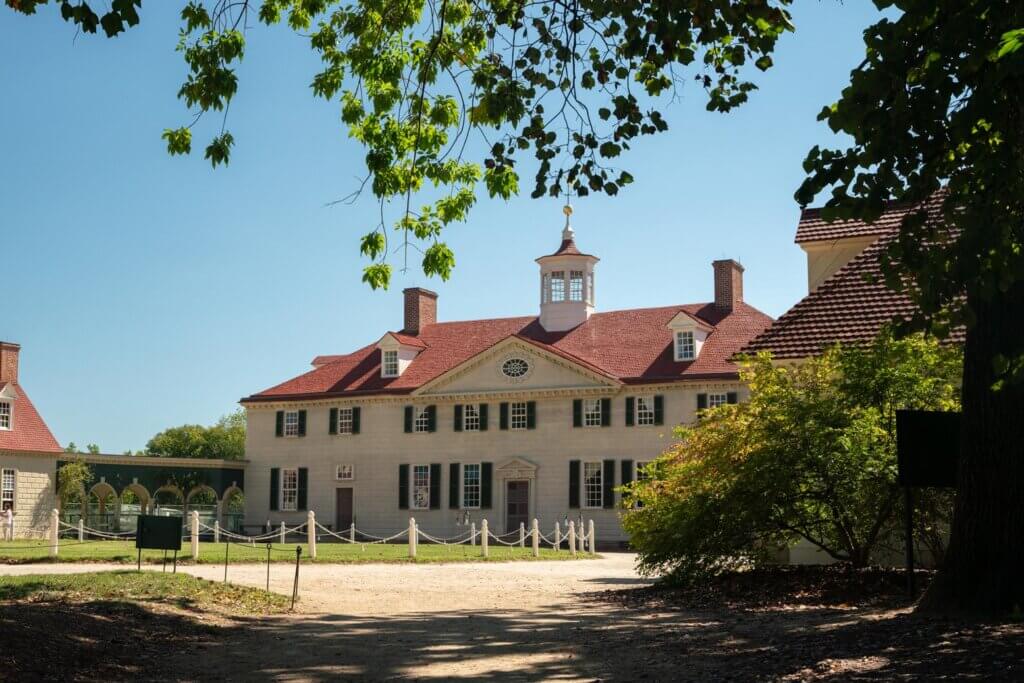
{"x": 102, "y": 511}
{"x": 203, "y": 499}
{"x": 134, "y": 502}
{"x": 233, "y": 509}
{"x": 168, "y": 501}
{"x": 73, "y": 505}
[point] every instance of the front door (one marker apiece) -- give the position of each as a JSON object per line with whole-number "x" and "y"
{"x": 517, "y": 504}
{"x": 343, "y": 518}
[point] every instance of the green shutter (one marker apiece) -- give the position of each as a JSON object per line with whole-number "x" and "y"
{"x": 577, "y": 413}
{"x": 504, "y": 415}
{"x": 574, "y": 483}
{"x": 279, "y": 430}
{"x": 627, "y": 472}
{"x": 630, "y": 411}
{"x": 483, "y": 417}
{"x": 435, "y": 486}
{"x": 302, "y": 423}
{"x": 659, "y": 410}
{"x": 531, "y": 414}
{"x": 408, "y": 419}
{"x": 458, "y": 418}
{"x": 731, "y": 397}
{"x": 453, "y": 486}
{"x": 608, "y": 483}
{"x": 303, "y": 487}
{"x": 355, "y": 420}
{"x": 403, "y": 487}
{"x": 332, "y": 425}
{"x": 431, "y": 418}
{"x": 275, "y": 487}
{"x": 606, "y": 412}
{"x": 486, "y": 475}
{"x": 702, "y": 401}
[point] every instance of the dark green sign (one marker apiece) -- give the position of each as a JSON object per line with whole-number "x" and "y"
{"x": 159, "y": 533}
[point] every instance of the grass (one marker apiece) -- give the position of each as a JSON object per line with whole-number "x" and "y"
{"x": 36, "y": 551}
{"x": 180, "y": 590}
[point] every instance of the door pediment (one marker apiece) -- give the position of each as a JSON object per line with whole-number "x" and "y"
{"x": 516, "y": 468}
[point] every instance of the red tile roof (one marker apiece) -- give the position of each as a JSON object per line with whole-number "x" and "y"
{"x": 30, "y": 432}
{"x": 849, "y": 307}
{"x": 408, "y": 340}
{"x": 632, "y": 346}
{"x": 812, "y": 227}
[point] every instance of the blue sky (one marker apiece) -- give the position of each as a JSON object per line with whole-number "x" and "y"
{"x": 150, "y": 291}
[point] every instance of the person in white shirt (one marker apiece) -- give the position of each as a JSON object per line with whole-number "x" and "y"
{"x": 7, "y": 522}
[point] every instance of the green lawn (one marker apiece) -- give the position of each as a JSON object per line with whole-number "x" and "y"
{"x": 35, "y": 551}
{"x": 180, "y": 590}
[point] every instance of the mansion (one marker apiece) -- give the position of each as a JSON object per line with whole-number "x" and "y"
{"x": 510, "y": 419}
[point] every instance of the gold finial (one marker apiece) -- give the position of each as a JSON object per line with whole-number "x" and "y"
{"x": 567, "y": 232}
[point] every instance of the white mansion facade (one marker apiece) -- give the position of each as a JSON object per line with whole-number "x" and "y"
{"x": 506, "y": 419}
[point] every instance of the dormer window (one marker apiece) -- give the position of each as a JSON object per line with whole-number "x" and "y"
{"x": 685, "y": 347}
{"x": 389, "y": 363}
{"x": 558, "y": 286}
{"x": 5, "y": 415}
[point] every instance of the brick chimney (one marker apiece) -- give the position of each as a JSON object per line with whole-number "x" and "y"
{"x": 420, "y": 309}
{"x": 728, "y": 283}
{"x": 9, "y": 362}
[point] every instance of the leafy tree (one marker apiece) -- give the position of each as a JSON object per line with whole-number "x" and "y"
{"x": 937, "y": 109}
{"x": 225, "y": 440}
{"x": 73, "y": 478}
{"x": 811, "y": 455}
{"x": 91, "y": 448}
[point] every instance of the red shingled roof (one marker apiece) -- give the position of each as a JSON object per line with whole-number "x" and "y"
{"x": 812, "y": 227}
{"x": 632, "y": 346}
{"x": 849, "y": 307}
{"x": 30, "y": 432}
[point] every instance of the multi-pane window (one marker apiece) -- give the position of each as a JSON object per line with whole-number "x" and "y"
{"x": 644, "y": 410}
{"x": 7, "y": 489}
{"x": 291, "y": 423}
{"x": 593, "y": 490}
{"x": 346, "y": 472}
{"x": 390, "y": 363}
{"x": 685, "y": 349}
{"x": 715, "y": 400}
{"x": 517, "y": 415}
{"x": 289, "y": 489}
{"x": 471, "y": 485}
{"x": 422, "y": 421}
{"x": 471, "y": 417}
{"x": 592, "y": 412}
{"x": 642, "y": 475}
{"x": 421, "y": 487}
{"x": 545, "y": 289}
{"x": 344, "y": 420}
{"x": 575, "y": 285}
{"x": 558, "y": 285}
{"x": 590, "y": 288}
{"x": 5, "y": 414}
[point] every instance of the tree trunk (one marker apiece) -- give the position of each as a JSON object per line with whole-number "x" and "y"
{"x": 984, "y": 568}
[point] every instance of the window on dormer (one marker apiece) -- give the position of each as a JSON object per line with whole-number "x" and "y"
{"x": 389, "y": 364}
{"x": 575, "y": 285}
{"x": 545, "y": 289}
{"x": 685, "y": 347}
{"x": 5, "y": 414}
{"x": 558, "y": 285}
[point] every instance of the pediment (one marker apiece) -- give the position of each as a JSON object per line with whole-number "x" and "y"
{"x": 684, "y": 321}
{"x": 546, "y": 370}
{"x": 9, "y": 392}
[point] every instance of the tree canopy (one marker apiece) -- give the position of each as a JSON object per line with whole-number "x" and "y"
{"x": 811, "y": 455}
{"x": 224, "y": 440}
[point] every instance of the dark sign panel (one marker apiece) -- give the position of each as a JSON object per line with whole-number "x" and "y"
{"x": 927, "y": 447}
{"x": 158, "y": 533}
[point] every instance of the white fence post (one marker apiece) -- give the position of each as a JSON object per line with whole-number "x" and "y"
{"x": 54, "y": 532}
{"x": 572, "y": 538}
{"x": 352, "y": 532}
{"x": 81, "y": 529}
{"x": 558, "y": 538}
{"x": 483, "y": 538}
{"x": 311, "y": 534}
{"x": 536, "y": 538}
{"x": 195, "y": 535}
{"x": 281, "y": 534}
{"x": 412, "y": 537}
{"x": 590, "y": 533}
{"x": 522, "y": 535}
{"x": 216, "y": 531}
{"x": 472, "y": 533}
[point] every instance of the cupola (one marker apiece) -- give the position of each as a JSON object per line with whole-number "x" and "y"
{"x": 566, "y": 283}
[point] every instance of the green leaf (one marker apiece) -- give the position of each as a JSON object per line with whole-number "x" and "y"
{"x": 179, "y": 140}
{"x": 378, "y": 275}
{"x": 219, "y": 149}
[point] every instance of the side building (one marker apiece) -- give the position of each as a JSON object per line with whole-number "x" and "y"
{"x": 506, "y": 419}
